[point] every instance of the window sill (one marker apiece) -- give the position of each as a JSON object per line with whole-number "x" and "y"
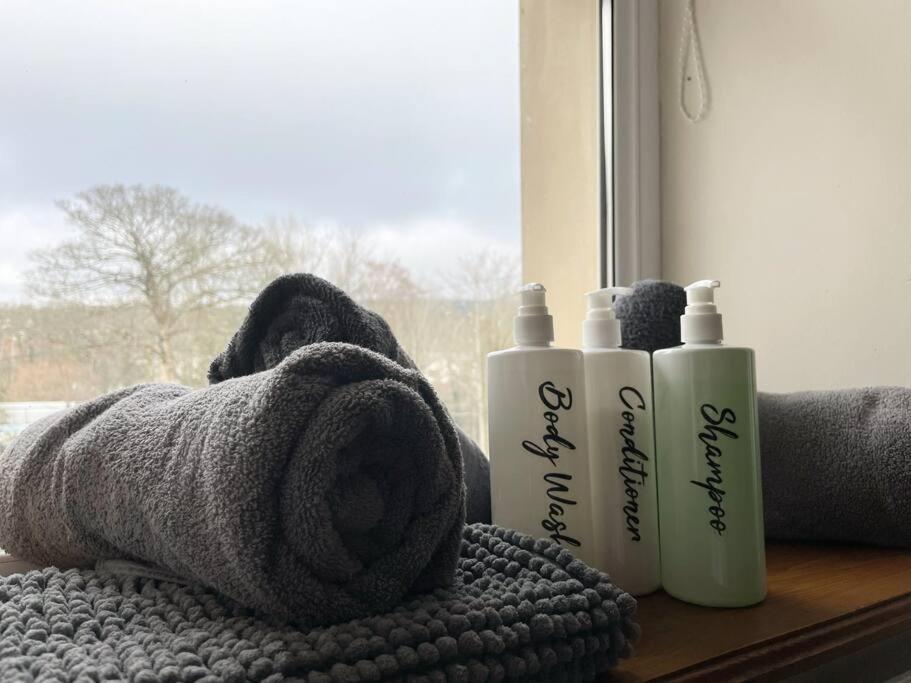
{"x": 13, "y": 565}
{"x": 824, "y": 603}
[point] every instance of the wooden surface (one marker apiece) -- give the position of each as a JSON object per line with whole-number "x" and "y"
{"x": 823, "y": 602}
{"x": 11, "y": 565}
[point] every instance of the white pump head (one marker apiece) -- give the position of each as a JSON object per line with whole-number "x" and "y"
{"x": 601, "y": 329}
{"x": 533, "y": 325}
{"x": 701, "y": 323}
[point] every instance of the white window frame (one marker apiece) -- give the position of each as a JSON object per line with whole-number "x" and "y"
{"x": 589, "y": 125}
{"x": 631, "y": 201}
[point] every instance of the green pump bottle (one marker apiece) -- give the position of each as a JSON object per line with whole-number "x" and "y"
{"x": 707, "y": 453}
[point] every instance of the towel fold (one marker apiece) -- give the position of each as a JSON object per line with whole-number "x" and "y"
{"x": 297, "y": 310}
{"x": 324, "y": 489}
{"x": 836, "y": 465}
{"x": 519, "y": 609}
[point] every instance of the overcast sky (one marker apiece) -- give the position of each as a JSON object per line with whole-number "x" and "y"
{"x": 398, "y": 118}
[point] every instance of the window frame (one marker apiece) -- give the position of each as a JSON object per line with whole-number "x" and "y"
{"x": 589, "y": 148}
{"x": 631, "y": 229}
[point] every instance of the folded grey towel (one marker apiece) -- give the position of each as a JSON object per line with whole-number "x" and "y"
{"x": 325, "y": 488}
{"x": 836, "y": 465}
{"x": 301, "y": 309}
{"x": 519, "y": 609}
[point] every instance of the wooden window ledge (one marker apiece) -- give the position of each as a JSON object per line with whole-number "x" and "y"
{"x": 824, "y": 603}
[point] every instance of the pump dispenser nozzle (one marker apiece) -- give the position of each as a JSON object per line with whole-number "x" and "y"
{"x": 533, "y": 325}
{"x": 601, "y": 329}
{"x": 701, "y": 322}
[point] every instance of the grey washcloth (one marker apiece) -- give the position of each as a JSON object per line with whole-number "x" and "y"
{"x": 836, "y": 465}
{"x": 325, "y": 488}
{"x": 519, "y": 609}
{"x": 301, "y": 309}
{"x": 650, "y": 316}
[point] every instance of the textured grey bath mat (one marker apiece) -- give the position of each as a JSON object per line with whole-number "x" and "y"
{"x": 520, "y": 609}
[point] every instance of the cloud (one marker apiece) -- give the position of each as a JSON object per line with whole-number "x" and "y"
{"x": 398, "y": 119}
{"x": 431, "y": 247}
{"x": 360, "y": 111}
{"x": 23, "y": 230}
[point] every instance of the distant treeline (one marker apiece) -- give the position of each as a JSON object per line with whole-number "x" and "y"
{"x": 152, "y": 286}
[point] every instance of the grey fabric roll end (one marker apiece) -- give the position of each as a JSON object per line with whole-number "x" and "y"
{"x": 650, "y": 316}
{"x": 836, "y": 465}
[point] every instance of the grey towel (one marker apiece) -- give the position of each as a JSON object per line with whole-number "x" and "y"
{"x": 836, "y": 465}
{"x": 325, "y": 488}
{"x": 519, "y": 609}
{"x": 650, "y": 316}
{"x": 296, "y": 310}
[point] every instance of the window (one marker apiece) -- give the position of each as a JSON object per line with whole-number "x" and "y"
{"x": 161, "y": 162}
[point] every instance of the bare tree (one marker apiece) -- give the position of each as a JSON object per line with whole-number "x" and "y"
{"x": 390, "y": 290}
{"x": 151, "y": 285}
{"x": 292, "y": 246}
{"x": 483, "y": 282}
{"x": 153, "y": 247}
{"x": 347, "y": 265}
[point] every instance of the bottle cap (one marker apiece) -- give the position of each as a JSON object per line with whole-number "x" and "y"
{"x": 701, "y": 321}
{"x": 601, "y": 329}
{"x": 533, "y": 325}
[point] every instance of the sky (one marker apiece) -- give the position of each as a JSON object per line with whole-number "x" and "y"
{"x": 395, "y": 118}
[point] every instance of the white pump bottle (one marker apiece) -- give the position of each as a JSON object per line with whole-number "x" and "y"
{"x": 618, "y": 392}
{"x": 707, "y": 443}
{"x": 539, "y": 465}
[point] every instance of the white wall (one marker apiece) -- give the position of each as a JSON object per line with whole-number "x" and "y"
{"x": 795, "y": 192}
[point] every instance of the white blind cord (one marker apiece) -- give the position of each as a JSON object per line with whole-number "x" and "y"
{"x": 691, "y": 49}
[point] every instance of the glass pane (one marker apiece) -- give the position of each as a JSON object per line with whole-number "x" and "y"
{"x": 161, "y": 161}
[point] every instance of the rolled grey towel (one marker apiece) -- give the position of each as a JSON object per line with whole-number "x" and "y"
{"x": 519, "y": 608}
{"x": 836, "y": 465}
{"x": 301, "y": 309}
{"x": 325, "y": 488}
